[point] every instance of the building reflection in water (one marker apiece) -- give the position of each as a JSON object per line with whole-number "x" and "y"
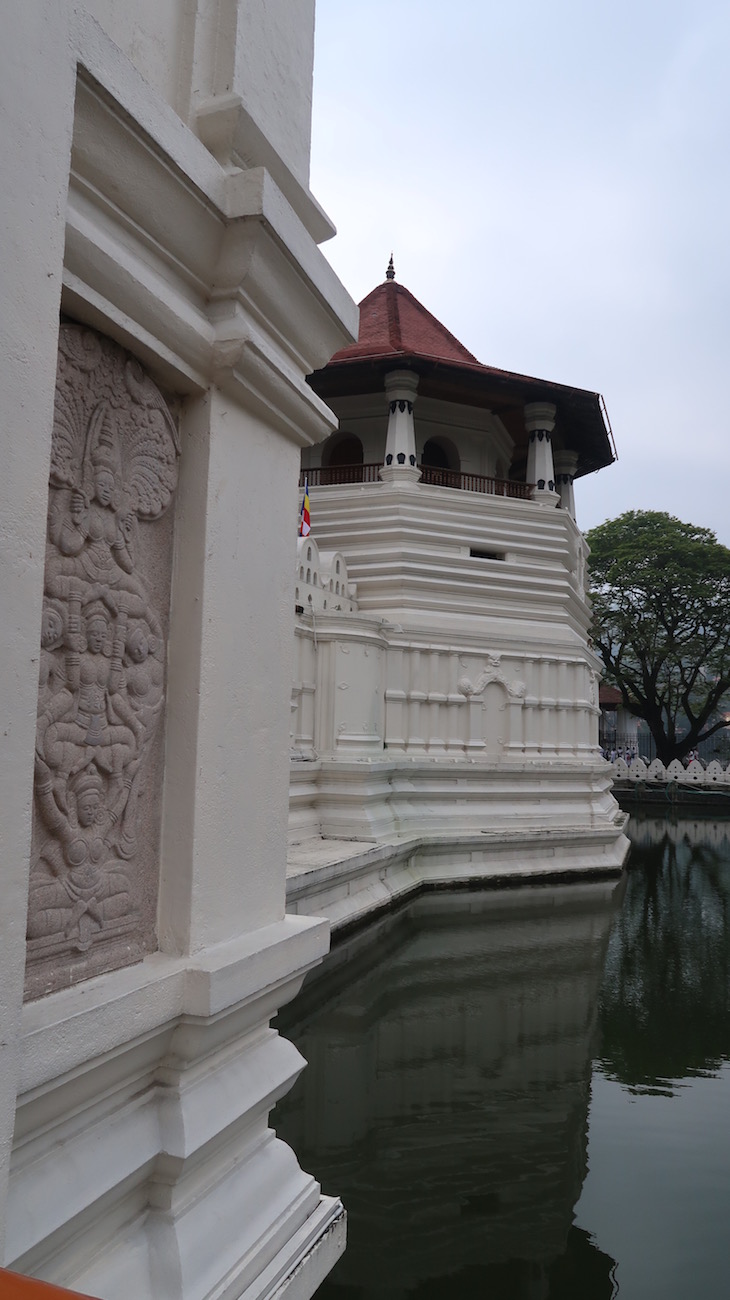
{"x": 447, "y": 1093}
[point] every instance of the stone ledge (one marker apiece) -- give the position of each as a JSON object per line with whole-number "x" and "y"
{"x": 347, "y": 881}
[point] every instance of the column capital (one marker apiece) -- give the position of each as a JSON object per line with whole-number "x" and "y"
{"x": 540, "y": 416}
{"x": 566, "y": 462}
{"x": 401, "y": 385}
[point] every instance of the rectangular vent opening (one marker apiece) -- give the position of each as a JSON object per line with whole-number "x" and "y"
{"x": 486, "y": 555}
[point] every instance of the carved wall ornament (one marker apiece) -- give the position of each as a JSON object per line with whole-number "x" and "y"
{"x": 516, "y": 689}
{"x": 114, "y": 460}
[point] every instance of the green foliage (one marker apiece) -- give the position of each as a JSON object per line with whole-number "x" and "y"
{"x": 661, "y": 602}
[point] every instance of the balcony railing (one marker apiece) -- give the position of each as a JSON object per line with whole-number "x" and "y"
{"x": 496, "y": 487}
{"x": 337, "y": 474}
{"x": 346, "y": 474}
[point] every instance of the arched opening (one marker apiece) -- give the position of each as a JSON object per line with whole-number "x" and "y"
{"x": 440, "y": 463}
{"x": 343, "y": 456}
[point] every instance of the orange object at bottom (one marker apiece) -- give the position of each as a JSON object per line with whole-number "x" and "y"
{"x": 14, "y": 1286}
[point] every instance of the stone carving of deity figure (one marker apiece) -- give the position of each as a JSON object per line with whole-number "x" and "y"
{"x": 52, "y": 675}
{"x": 144, "y": 672}
{"x": 77, "y": 885}
{"x": 90, "y": 719}
{"x": 114, "y": 456}
{"x": 93, "y": 528}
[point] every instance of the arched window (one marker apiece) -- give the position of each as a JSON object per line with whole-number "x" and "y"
{"x": 440, "y": 454}
{"x": 434, "y": 454}
{"x": 343, "y": 452}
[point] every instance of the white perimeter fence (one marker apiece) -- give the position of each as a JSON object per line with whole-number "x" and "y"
{"x": 695, "y": 774}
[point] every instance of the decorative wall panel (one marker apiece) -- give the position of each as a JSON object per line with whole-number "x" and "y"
{"x": 99, "y": 737}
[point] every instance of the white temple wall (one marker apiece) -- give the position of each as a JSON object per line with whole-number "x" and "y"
{"x": 367, "y": 419}
{"x": 137, "y": 1101}
{"x": 483, "y": 760}
{"x": 154, "y": 37}
{"x": 368, "y": 688}
{"x": 409, "y": 553}
{"x": 478, "y": 436}
{"x": 239, "y": 74}
{"x": 37, "y": 104}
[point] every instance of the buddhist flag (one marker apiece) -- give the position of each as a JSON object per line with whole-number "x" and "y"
{"x": 304, "y": 525}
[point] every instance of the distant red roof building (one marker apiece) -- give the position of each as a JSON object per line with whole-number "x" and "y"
{"x": 393, "y": 323}
{"x": 609, "y": 697}
{"x": 398, "y": 332}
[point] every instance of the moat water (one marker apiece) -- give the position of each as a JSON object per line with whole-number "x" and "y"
{"x": 525, "y": 1094}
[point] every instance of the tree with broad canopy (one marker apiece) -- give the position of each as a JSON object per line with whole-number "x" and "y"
{"x": 661, "y": 623}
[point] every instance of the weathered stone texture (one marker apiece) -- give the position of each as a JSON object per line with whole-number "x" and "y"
{"x": 99, "y": 738}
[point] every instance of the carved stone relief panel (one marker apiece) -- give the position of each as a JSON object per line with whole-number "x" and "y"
{"x": 99, "y": 738}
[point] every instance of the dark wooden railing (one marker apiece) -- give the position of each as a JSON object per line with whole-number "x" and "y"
{"x": 497, "y": 487}
{"x": 337, "y": 474}
{"x": 347, "y": 474}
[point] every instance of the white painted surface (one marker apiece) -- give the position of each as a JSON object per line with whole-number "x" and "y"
{"x": 139, "y": 1099}
{"x": 36, "y": 93}
{"x": 448, "y": 727}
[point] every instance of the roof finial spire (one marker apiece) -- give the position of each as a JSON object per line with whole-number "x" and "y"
{"x": 390, "y": 273}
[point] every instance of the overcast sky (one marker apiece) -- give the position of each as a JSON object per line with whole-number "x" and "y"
{"x": 552, "y": 178}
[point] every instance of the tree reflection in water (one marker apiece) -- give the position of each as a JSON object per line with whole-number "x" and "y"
{"x": 665, "y": 1000}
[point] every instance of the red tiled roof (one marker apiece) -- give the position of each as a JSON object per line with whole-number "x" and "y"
{"x": 396, "y": 331}
{"x": 609, "y": 696}
{"x": 393, "y": 322}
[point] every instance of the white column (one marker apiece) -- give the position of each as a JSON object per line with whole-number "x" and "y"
{"x": 230, "y": 672}
{"x": 540, "y": 422}
{"x": 566, "y": 463}
{"x": 38, "y": 78}
{"x": 401, "y": 387}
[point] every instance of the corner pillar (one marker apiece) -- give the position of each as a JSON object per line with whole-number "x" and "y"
{"x": 566, "y": 463}
{"x": 401, "y": 387}
{"x": 539, "y": 423}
